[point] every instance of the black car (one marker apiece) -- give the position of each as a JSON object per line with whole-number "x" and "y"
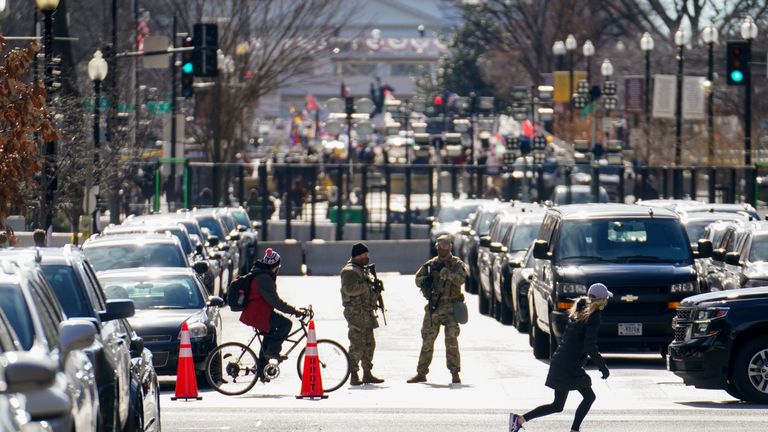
{"x": 449, "y": 220}
{"x": 249, "y": 237}
{"x": 164, "y": 299}
{"x": 145, "y": 389}
{"x": 480, "y": 227}
{"x": 721, "y": 342}
{"x": 747, "y": 265}
{"x": 76, "y": 288}
{"x": 641, "y": 254}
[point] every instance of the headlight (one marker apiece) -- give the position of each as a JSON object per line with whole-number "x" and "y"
{"x": 197, "y": 330}
{"x": 685, "y": 287}
{"x": 571, "y": 288}
{"x": 703, "y": 320}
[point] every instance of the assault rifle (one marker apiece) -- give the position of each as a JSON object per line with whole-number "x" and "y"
{"x": 378, "y": 287}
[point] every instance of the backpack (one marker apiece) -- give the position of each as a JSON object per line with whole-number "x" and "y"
{"x": 238, "y": 291}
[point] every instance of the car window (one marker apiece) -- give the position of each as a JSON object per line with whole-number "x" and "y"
{"x": 48, "y": 313}
{"x": 173, "y": 292}
{"x": 186, "y": 245}
{"x": 110, "y": 257}
{"x": 213, "y": 225}
{"x": 242, "y": 218}
{"x": 697, "y": 230}
{"x": 452, "y": 214}
{"x": 523, "y": 236}
{"x": 192, "y": 228}
{"x": 758, "y": 251}
{"x": 68, "y": 290}
{"x": 8, "y": 339}
{"x": 16, "y": 310}
{"x": 94, "y": 291}
{"x": 484, "y": 223}
{"x": 623, "y": 240}
{"x": 228, "y": 222}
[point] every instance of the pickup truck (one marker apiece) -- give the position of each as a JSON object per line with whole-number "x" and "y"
{"x": 721, "y": 342}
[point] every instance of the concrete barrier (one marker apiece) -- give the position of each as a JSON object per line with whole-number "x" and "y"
{"x": 291, "y": 255}
{"x": 58, "y": 239}
{"x": 405, "y": 256}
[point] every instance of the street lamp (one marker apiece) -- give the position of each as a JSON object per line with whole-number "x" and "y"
{"x": 558, "y": 49}
{"x": 646, "y": 45}
{"x": 709, "y": 37}
{"x": 588, "y": 50}
{"x": 748, "y": 33}
{"x": 570, "y": 46}
{"x": 681, "y": 38}
{"x": 97, "y": 72}
{"x": 48, "y": 7}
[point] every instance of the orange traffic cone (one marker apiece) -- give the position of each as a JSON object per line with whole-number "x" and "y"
{"x": 186, "y": 382}
{"x": 311, "y": 381}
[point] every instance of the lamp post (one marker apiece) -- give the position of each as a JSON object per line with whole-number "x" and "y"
{"x": 748, "y": 33}
{"x": 570, "y": 47}
{"x": 709, "y": 37}
{"x": 97, "y": 72}
{"x": 558, "y": 49}
{"x": 646, "y": 45}
{"x": 48, "y": 7}
{"x": 588, "y": 50}
{"x": 606, "y": 70}
{"x": 681, "y": 38}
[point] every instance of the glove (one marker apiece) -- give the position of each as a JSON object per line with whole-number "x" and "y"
{"x": 606, "y": 373}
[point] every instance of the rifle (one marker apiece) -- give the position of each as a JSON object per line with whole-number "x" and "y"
{"x": 378, "y": 287}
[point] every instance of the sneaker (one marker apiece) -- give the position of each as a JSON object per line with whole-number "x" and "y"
{"x": 513, "y": 426}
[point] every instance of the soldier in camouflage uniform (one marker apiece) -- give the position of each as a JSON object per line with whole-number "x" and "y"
{"x": 447, "y": 274}
{"x": 359, "y": 299}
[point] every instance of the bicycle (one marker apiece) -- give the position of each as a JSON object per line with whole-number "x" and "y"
{"x": 236, "y": 362}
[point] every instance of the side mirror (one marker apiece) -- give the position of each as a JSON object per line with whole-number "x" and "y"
{"x": 26, "y": 372}
{"x": 199, "y": 249}
{"x": 732, "y": 258}
{"x": 117, "y": 309}
{"x": 495, "y": 247}
{"x": 485, "y": 241}
{"x": 718, "y": 255}
{"x": 704, "y": 248}
{"x": 504, "y": 249}
{"x": 215, "y": 301}
{"x": 223, "y": 246}
{"x": 256, "y": 225}
{"x": 216, "y": 256}
{"x": 515, "y": 264}
{"x": 465, "y": 222}
{"x": 200, "y": 267}
{"x": 137, "y": 346}
{"x": 213, "y": 240}
{"x": 242, "y": 228}
{"x": 235, "y": 236}
{"x": 541, "y": 250}
{"x": 75, "y": 334}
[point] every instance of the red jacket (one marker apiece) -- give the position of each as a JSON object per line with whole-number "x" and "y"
{"x": 262, "y": 300}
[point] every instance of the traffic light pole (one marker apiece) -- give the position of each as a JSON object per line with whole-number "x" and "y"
{"x": 748, "y": 109}
{"x": 170, "y": 195}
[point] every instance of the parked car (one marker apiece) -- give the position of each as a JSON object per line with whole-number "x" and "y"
{"x": 480, "y": 228}
{"x": 39, "y": 323}
{"x": 145, "y": 389}
{"x": 696, "y": 223}
{"x": 744, "y": 209}
{"x": 725, "y": 238}
{"x": 519, "y": 285}
{"x": 449, "y": 220}
{"x": 79, "y": 293}
{"x": 164, "y": 299}
{"x": 579, "y": 194}
{"x": 217, "y": 236}
{"x": 28, "y": 386}
{"x": 510, "y": 253}
{"x": 641, "y": 254}
{"x": 249, "y": 237}
{"x": 721, "y": 343}
{"x": 747, "y": 264}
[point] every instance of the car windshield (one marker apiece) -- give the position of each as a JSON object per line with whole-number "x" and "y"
{"x": 578, "y": 196}
{"x": 67, "y": 289}
{"x": 242, "y": 218}
{"x": 623, "y": 240}
{"x": 192, "y": 228}
{"x": 697, "y": 229}
{"x": 758, "y": 251}
{"x": 213, "y": 225}
{"x": 229, "y": 222}
{"x": 453, "y": 214}
{"x": 109, "y": 257}
{"x": 15, "y": 308}
{"x": 186, "y": 245}
{"x": 523, "y": 236}
{"x": 148, "y": 292}
{"x": 484, "y": 223}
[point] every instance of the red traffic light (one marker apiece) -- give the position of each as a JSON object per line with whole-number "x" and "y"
{"x": 438, "y": 100}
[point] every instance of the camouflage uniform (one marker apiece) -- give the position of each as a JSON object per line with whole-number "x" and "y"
{"x": 359, "y": 302}
{"x": 449, "y": 274}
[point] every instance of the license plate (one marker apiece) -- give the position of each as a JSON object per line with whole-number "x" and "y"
{"x": 630, "y": 329}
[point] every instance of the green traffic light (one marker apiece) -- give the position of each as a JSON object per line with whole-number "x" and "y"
{"x": 737, "y": 76}
{"x": 187, "y": 68}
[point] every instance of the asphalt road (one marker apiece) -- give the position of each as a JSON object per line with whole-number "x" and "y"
{"x": 499, "y": 375}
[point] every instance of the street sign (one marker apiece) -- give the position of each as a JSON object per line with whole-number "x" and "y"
{"x": 634, "y": 92}
{"x": 581, "y": 145}
{"x": 156, "y": 43}
{"x": 664, "y": 91}
{"x": 579, "y": 101}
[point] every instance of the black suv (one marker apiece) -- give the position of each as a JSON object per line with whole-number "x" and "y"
{"x": 641, "y": 254}
{"x": 75, "y": 285}
{"x": 721, "y": 342}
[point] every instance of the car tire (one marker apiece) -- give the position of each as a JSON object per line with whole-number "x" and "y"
{"x": 752, "y": 356}
{"x": 483, "y": 303}
{"x": 507, "y": 314}
{"x": 731, "y": 389}
{"x": 520, "y": 324}
{"x": 469, "y": 285}
{"x": 540, "y": 342}
{"x": 135, "y": 422}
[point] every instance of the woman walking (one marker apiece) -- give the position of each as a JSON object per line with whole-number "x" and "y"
{"x": 566, "y": 369}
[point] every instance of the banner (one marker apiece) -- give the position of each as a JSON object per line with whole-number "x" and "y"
{"x": 664, "y": 92}
{"x": 694, "y": 106}
{"x": 563, "y": 86}
{"x": 634, "y": 91}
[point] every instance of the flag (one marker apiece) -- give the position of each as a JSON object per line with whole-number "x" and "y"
{"x": 344, "y": 90}
{"x": 311, "y": 103}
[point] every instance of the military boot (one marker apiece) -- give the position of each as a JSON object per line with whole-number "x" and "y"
{"x": 369, "y": 378}
{"x": 418, "y": 378}
{"x": 354, "y": 379}
{"x": 455, "y": 378}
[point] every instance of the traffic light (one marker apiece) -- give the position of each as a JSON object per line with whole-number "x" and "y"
{"x": 187, "y": 69}
{"x": 737, "y": 62}
{"x": 438, "y": 101}
{"x": 206, "y": 42}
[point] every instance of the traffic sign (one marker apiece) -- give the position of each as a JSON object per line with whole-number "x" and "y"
{"x": 609, "y": 88}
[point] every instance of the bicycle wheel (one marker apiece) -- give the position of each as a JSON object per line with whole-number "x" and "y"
{"x": 231, "y": 368}
{"x": 334, "y": 364}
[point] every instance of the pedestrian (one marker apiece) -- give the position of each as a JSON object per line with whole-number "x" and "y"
{"x": 359, "y": 297}
{"x": 440, "y": 280}
{"x": 3, "y": 240}
{"x": 566, "y": 369}
{"x": 260, "y": 310}
{"x": 39, "y": 237}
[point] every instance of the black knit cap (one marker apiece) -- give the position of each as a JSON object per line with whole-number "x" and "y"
{"x": 359, "y": 249}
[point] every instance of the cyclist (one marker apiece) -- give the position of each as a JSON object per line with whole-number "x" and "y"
{"x": 260, "y": 309}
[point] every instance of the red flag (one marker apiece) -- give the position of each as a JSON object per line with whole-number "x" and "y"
{"x": 312, "y": 103}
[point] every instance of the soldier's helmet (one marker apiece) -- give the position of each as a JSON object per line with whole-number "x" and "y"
{"x": 444, "y": 239}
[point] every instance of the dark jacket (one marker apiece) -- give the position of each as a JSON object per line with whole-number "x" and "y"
{"x": 566, "y": 369}
{"x": 263, "y": 299}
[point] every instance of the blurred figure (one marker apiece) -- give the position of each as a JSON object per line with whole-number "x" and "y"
{"x": 39, "y": 237}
